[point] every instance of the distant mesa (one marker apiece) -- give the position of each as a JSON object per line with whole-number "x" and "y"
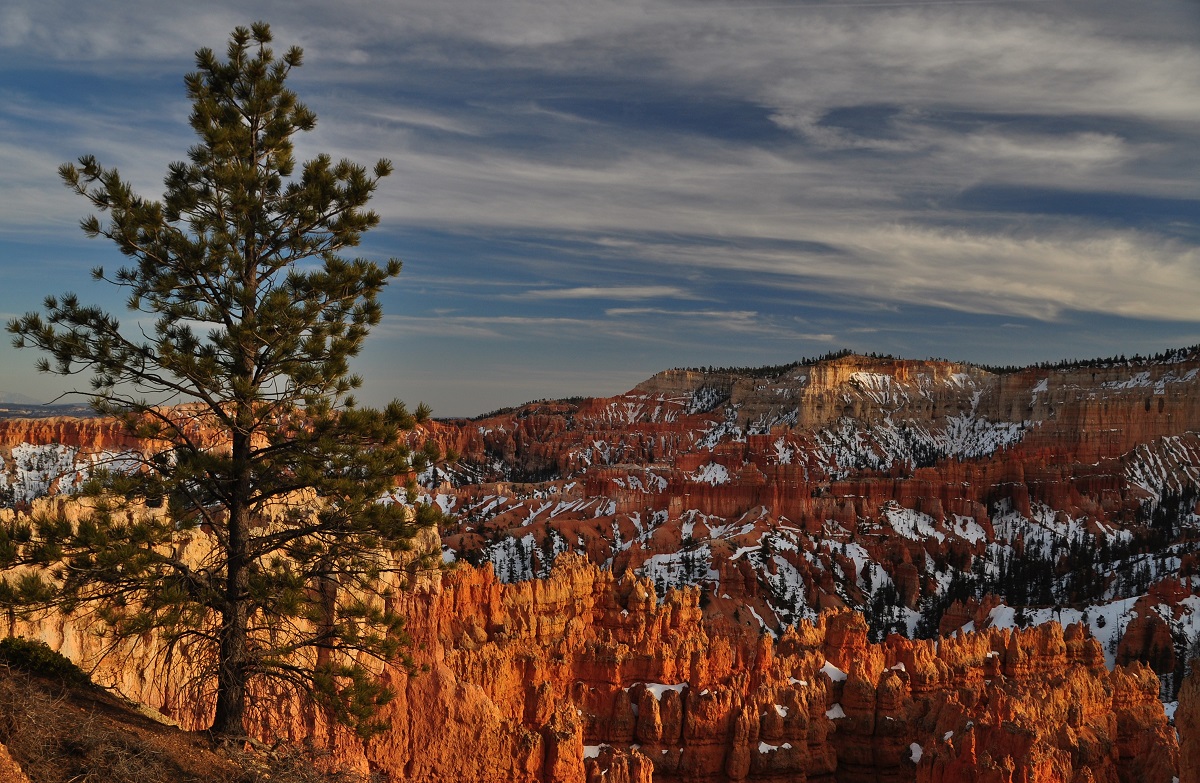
{"x": 12, "y": 398}
{"x": 650, "y": 585}
{"x": 20, "y": 406}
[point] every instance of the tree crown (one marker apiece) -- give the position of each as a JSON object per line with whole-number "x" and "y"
{"x": 266, "y": 473}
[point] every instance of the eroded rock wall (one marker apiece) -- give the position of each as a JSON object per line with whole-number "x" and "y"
{"x": 538, "y": 677}
{"x": 583, "y": 677}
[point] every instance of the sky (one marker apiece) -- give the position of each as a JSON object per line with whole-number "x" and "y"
{"x": 588, "y": 192}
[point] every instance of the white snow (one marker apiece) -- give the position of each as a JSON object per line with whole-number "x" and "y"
{"x": 1106, "y": 621}
{"x": 880, "y": 389}
{"x": 710, "y": 473}
{"x": 968, "y": 529}
{"x": 675, "y": 569}
{"x": 850, "y": 445}
{"x": 1139, "y": 380}
{"x": 705, "y": 399}
{"x": 761, "y": 622}
{"x": 970, "y": 436}
{"x": 833, "y": 673}
{"x": 835, "y": 712}
{"x": 912, "y": 525}
{"x": 1168, "y": 464}
{"x": 917, "y": 752}
{"x": 765, "y": 748}
{"x": 37, "y": 468}
{"x": 658, "y": 689}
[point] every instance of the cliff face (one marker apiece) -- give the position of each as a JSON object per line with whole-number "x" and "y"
{"x": 87, "y": 434}
{"x": 663, "y": 569}
{"x": 583, "y": 677}
{"x": 895, "y": 487}
{"x": 896, "y": 411}
{"x": 1187, "y": 720}
{"x": 10, "y": 771}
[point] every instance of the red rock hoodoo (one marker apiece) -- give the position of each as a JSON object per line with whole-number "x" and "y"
{"x": 664, "y": 578}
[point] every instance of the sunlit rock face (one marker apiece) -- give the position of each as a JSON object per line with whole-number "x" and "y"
{"x": 660, "y": 570}
{"x": 565, "y": 677}
{"x": 582, "y": 676}
{"x": 920, "y": 492}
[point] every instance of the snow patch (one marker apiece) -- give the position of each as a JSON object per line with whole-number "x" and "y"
{"x": 711, "y": 473}
{"x": 658, "y": 689}
{"x": 765, "y": 748}
{"x": 833, "y": 673}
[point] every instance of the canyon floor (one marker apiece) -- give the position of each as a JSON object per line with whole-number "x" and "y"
{"x": 55, "y": 729}
{"x": 852, "y": 569}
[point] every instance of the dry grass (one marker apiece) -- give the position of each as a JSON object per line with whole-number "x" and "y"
{"x": 56, "y": 741}
{"x": 72, "y": 733}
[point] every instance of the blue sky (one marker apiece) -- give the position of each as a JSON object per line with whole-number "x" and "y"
{"x": 587, "y": 192}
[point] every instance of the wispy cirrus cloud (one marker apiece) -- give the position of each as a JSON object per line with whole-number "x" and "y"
{"x": 725, "y": 315}
{"x": 576, "y": 173}
{"x": 608, "y": 292}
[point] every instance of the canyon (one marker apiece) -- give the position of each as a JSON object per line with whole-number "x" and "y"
{"x": 853, "y": 569}
{"x": 582, "y": 677}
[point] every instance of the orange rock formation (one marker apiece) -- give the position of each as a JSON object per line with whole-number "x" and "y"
{"x": 581, "y": 677}
{"x": 587, "y": 675}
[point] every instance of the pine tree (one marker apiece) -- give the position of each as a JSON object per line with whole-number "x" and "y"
{"x": 261, "y": 545}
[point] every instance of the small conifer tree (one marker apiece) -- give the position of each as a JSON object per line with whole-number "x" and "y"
{"x": 262, "y": 547}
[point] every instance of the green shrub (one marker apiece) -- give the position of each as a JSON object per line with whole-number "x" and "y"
{"x": 35, "y": 657}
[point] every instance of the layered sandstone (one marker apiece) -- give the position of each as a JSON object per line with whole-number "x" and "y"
{"x": 88, "y": 434}
{"x": 781, "y": 499}
{"x": 583, "y": 676}
{"x": 538, "y": 677}
{"x": 825, "y": 472}
{"x": 1187, "y": 721}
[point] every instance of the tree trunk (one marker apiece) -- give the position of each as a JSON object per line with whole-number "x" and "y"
{"x": 232, "y": 673}
{"x": 233, "y": 662}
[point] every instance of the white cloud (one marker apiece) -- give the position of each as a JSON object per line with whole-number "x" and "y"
{"x": 15, "y": 26}
{"x": 608, "y": 292}
{"x": 487, "y": 327}
{"x": 1114, "y": 272}
{"x": 424, "y": 119}
{"x": 724, "y": 315}
{"x": 888, "y": 111}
